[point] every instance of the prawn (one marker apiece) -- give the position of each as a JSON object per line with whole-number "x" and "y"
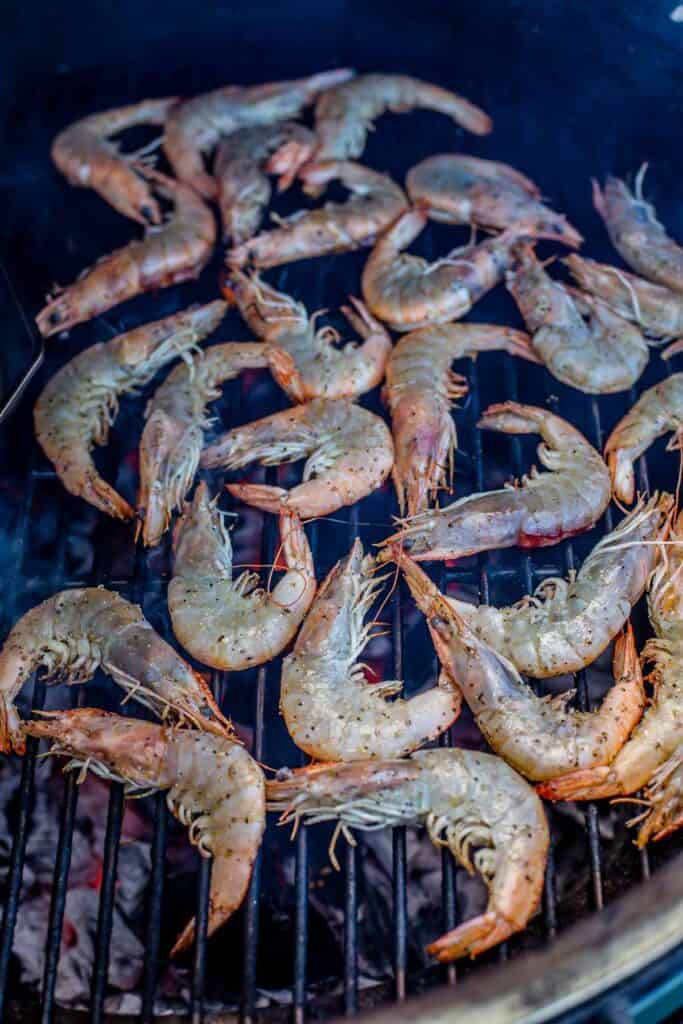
{"x": 304, "y": 359}
{"x": 349, "y": 454}
{"x": 331, "y": 710}
{"x": 541, "y": 738}
{"x": 78, "y": 405}
{"x": 234, "y": 624}
{"x": 195, "y": 126}
{"x": 76, "y": 632}
{"x": 177, "y": 251}
{"x": 242, "y": 183}
{"x": 580, "y": 339}
{"x": 544, "y": 509}
{"x": 406, "y": 291}
{"x": 472, "y": 803}
{"x": 86, "y": 157}
{"x": 658, "y": 736}
{"x": 345, "y": 113}
{"x": 636, "y": 234}
{"x": 565, "y": 625}
{"x": 375, "y": 202}
{"x": 467, "y": 190}
{"x": 420, "y": 388}
{"x": 214, "y": 787}
{"x": 658, "y": 411}
{"x": 176, "y": 417}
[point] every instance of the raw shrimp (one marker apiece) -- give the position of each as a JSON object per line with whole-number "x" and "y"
{"x": 467, "y": 190}
{"x": 76, "y": 632}
{"x": 419, "y": 391}
{"x": 344, "y": 114}
{"x": 657, "y": 310}
{"x": 636, "y": 233}
{"x": 375, "y": 202}
{"x": 87, "y": 159}
{"x": 214, "y": 787}
{"x": 174, "y": 432}
{"x": 79, "y": 404}
{"x": 177, "y": 251}
{"x": 406, "y": 291}
{"x": 489, "y": 818}
{"x": 242, "y": 181}
{"x": 581, "y": 340}
{"x": 658, "y": 736}
{"x": 540, "y": 738}
{"x": 331, "y": 710}
{"x": 234, "y": 624}
{"x": 305, "y": 360}
{"x": 349, "y": 454}
{"x": 659, "y": 410}
{"x": 195, "y": 126}
{"x": 564, "y": 626}
{"x": 544, "y": 509}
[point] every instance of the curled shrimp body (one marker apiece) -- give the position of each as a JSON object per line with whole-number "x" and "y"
{"x": 176, "y": 416}
{"x": 242, "y": 168}
{"x": 419, "y": 390}
{"x": 349, "y": 454}
{"x": 544, "y": 509}
{"x": 657, "y": 738}
{"x": 659, "y": 410}
{"x": 566, "y": 625}
{"x": 79, "y": 404}
{"x": 466, "y": 190}
{"x": 374, "y": 203}
{"x": 657, "y": 310}
{"x": 344, "y": 114}
{"x": 331, "y": 710}
{"x": 305, "y": 360}
{"x": 76, "y": 632}
{"x": 581, "y": 340}
{"x": 540, "y": 738}
{"x": 196, "y": 125}
{"x": 87, "y": 158}
{"x": 234, "y": 624}
{"x": 489, "y": 818}
{"x": 177, "y": 251}
{"x": 214, "y": 787}
{"x": 406, "y": 291}
{"x": 636, "y": 233}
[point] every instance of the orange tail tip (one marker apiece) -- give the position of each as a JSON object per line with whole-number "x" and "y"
{"x": 471, "y": 938}
{"x": 585, "y": 784}
{"x": 283, "y": 369}
{"x": 269, "y": 499}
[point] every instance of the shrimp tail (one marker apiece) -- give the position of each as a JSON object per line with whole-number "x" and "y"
{"x": 585, "y": 784}
{"x": 230, "y": 877}
{"x": 283, "y": 368}
{"x": 268, "y": 499}
{"x": 472, "y": 937}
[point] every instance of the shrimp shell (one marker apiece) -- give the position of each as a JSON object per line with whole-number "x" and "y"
{"x": 234, "y": 624}
{"x": 79, "y": 404}
{"x": 76, "y": 632}
{"x": 214, "y": 787}
{"x": 489, "y": 818}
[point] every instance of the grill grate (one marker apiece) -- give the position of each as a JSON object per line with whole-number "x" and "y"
{"x": 143, "y": 580}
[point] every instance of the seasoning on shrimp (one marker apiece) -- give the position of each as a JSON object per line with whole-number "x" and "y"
{"x": 305, "y": 360}
{"x": 177, "y": 251}
{"x": 76, "y": 632}
{"x": 214, "y": 787}
{"x": 463, "y": 189}
{"x": 540, "y": 738}
{"x": 580, "y": 339}
{"x": 233, "y": 624}
{"x": 489, "y": 818}
{"x": 78, "y": 405}
{"x": 87, "y": 158}
{"x": 332, "y": 711}
{"x": 374, "y": 203}
{"x": 420, "y": 388}
{"x": 348, "y": 451}
{"x": 543, "y": 509}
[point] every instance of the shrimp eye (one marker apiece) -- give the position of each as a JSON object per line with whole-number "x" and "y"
{"x": 55, "y": 317}
{"x": 438, "y": 623}
{"x": 146, "y": 211}
{"x": 408, "y": 544}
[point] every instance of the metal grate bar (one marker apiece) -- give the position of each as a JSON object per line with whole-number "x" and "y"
{"x": 200, "y": 944}
{"x": 350, "y": 932}
{"x": 399, "y": 853}
{"x": 105, "y": 916}
{"x": 154, "y": 909}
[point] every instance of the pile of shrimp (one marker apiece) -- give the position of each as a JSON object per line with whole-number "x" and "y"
{"x": 593, "y": 335}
